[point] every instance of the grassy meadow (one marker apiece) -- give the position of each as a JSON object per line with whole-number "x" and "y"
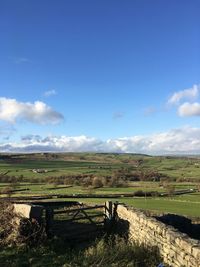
{"x": 99, "y": 164}
{"x": 181, "y": 172}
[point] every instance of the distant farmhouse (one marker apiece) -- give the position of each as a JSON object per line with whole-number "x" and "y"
{"x": 39, "y": 171}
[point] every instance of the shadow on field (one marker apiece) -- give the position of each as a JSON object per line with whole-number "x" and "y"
{"x": 181, "y": 223}
{"x": 121, "y": 228}
{"x": 75, "y": 233}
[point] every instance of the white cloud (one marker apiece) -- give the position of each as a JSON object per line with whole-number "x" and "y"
{"x": 50, "y": 93}
{"x": 189, "y": 94}
{"x": 38, "y": 112}
{"x": 30, "y": 138}
{"x": 184, "y": 140}
{"x": 54, "y": 143}
{"x": 189, "y": 109}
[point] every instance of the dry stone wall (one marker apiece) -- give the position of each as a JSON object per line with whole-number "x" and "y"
{"x": 176, "y": 248}
{"x": 28, "y": 211}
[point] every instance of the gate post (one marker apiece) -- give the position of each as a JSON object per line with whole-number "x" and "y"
{"x": 49, "y": 220}
{"x": 109, "y": 210}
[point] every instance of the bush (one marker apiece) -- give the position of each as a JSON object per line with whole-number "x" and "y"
{"x": 86, "y": 182}
{"x": 96, "y": 182}
{"x": 141, "y": 193}
{"x": 116, "y": 181}
{"x": 7, "y": 191}
{"x": 149, "y": 175}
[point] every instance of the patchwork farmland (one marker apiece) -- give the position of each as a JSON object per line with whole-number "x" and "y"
{"x": 142, "y": 181}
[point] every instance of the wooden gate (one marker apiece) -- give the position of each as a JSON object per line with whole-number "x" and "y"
{"x": 78, "y": 221}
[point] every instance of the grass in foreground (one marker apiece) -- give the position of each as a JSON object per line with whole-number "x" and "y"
{"x": 116, "y": 252}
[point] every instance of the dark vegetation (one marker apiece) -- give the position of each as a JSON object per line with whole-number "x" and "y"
{"x": 118, "y": 178}
{"x": 26, "y": 244}
{"x": 105, "y": 252}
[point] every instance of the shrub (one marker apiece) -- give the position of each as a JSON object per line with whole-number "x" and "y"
{"x": 96, "y": 182}
{"x": 139, "y": 193}
{"x": 86, "y": 182}
{"x": 105, "y": 180}
{"x": 116, "y": 181}
{"x": 7, "y": 191}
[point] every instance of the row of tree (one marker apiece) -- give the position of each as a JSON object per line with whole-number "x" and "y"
{"x": 120, "y": 177}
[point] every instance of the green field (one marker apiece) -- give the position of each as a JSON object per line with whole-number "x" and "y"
{"x": 187, "y": 204}
{"x": 178, "y": 173}
{"x": 56, "y": 168}
{"x": 179, "y": 168}
{"x": 101, "y": 164}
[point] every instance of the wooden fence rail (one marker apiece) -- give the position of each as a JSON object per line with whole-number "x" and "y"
{"x": 79, "y": 209}
{"x": 82, "y": 215}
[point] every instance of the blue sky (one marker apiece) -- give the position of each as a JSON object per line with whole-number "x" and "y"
{"x": 100, "y": 75}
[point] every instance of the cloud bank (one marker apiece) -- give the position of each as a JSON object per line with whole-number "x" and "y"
{"x": 188, "y": 94}
{"x": 38, "y": 112}
{"x": 189, "y": 109}
{"x": 186, "y": 109}
{"x": 176, "y": 141}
